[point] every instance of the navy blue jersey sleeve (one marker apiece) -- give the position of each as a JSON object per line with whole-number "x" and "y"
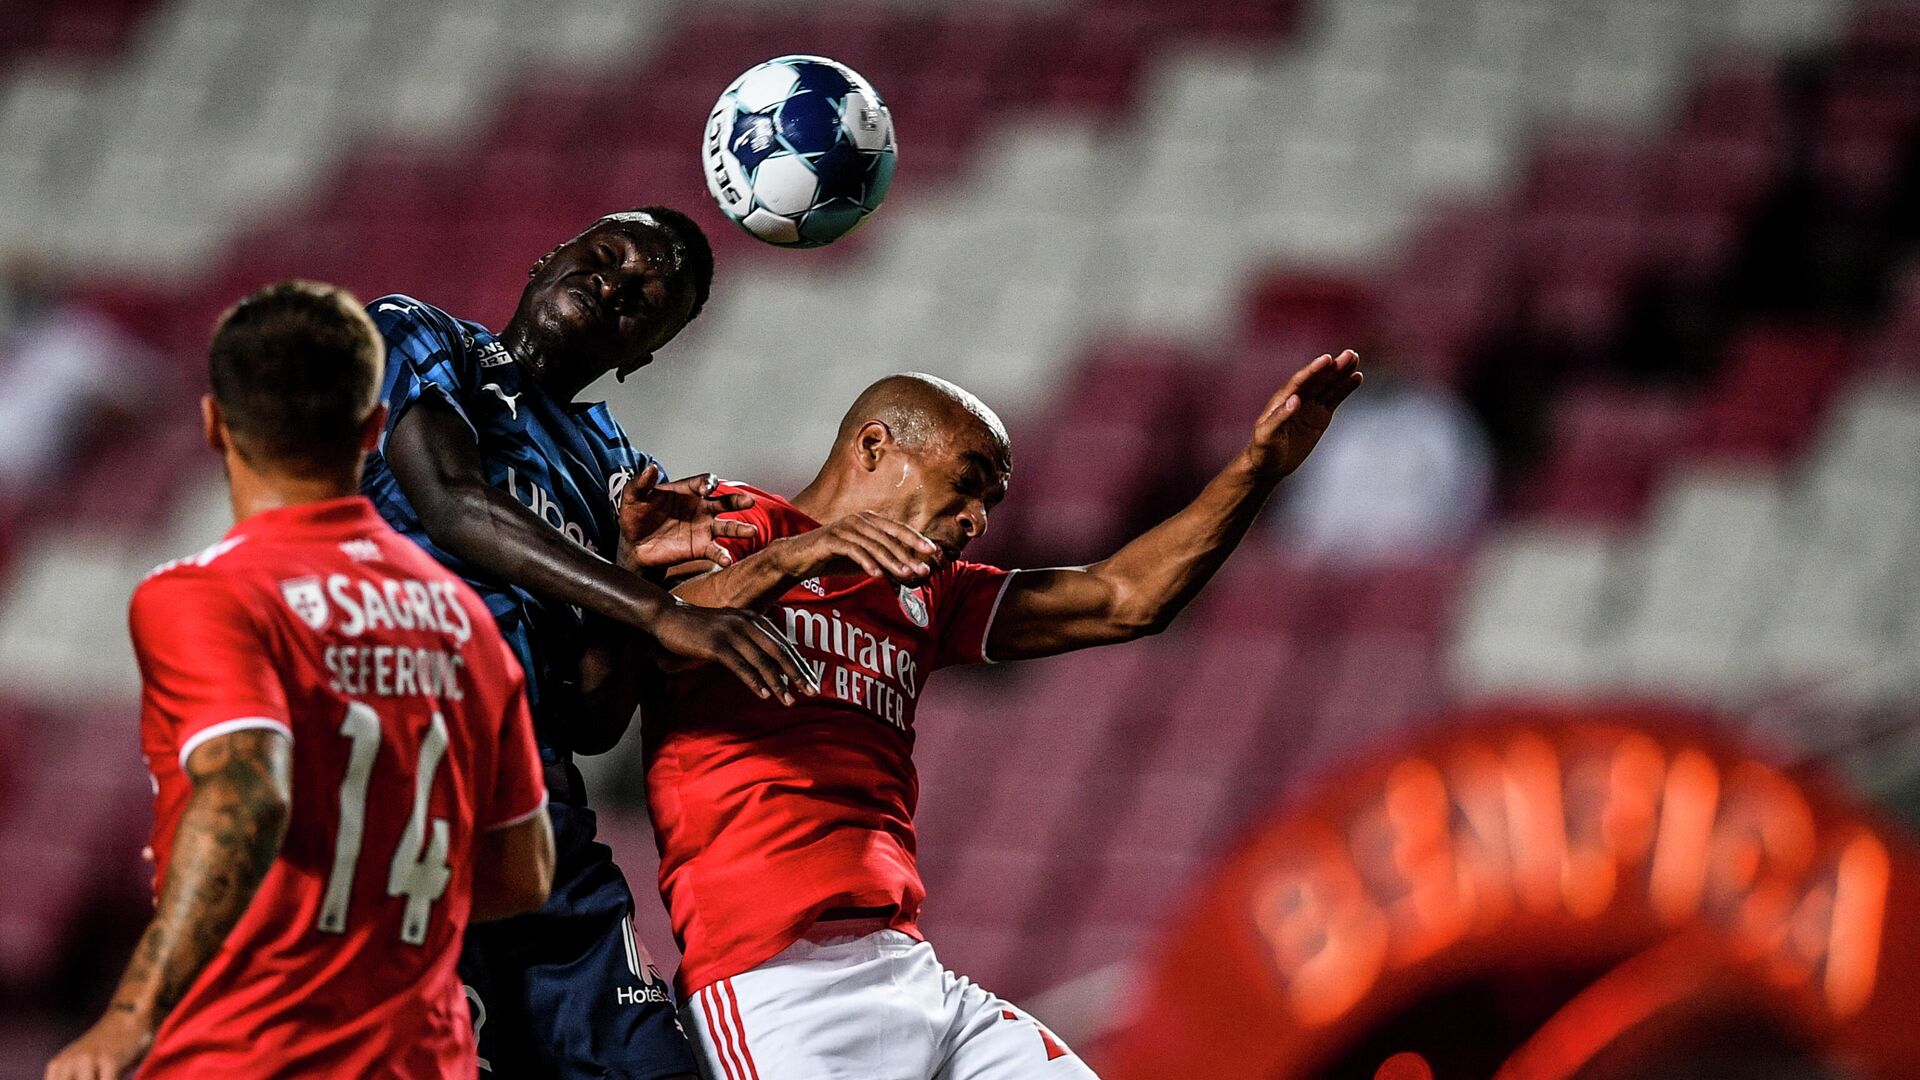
{"x": 426, "y": 357}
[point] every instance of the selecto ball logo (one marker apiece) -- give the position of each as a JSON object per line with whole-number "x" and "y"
{"x": 716, "y": 138}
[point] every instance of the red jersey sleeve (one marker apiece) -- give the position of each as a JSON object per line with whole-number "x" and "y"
{"x": 756, "y": 515}
{"x": 966, "y": 597}
{"x": 519, "y": 788}
{"x": 206, "y": 668}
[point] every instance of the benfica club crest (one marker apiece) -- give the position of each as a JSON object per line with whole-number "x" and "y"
{"x": 306, "y": 599}
{"x": 914, "y": 605}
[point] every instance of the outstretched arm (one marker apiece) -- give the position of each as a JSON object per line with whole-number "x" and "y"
{"x": 228, "y": 836}
{"x": 434, "y": 457}
{"x": 1141, "y": 587}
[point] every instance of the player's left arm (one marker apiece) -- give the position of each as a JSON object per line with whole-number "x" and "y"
{"x": 1140, "y": 588}
{"x": 228, "y": 837}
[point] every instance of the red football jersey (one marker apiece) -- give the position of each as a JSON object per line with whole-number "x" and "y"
{"x": 410, "y": 733}
{"x": 767, "y": 815}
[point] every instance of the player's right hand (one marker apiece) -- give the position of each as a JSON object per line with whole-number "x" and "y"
{"x": 866, "y": 543}
{"x": 747, "y": 644}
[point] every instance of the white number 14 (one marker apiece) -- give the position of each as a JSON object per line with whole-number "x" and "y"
{"x": 419, "y": 870}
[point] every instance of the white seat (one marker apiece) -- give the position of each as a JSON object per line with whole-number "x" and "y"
{"x": 1873, "y": 439}
{"x": 63, "y": 623}
{"x": 1705, "y": 569}
{"x": 1535, "y": 613}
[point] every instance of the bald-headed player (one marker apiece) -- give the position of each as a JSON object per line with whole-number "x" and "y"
{"x": 786, "y": 835}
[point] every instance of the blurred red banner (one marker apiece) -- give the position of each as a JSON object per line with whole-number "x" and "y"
{"x": 1529, "y": 838}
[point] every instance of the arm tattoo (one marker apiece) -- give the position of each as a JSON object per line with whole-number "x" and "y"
{"x": 228, "y": 837}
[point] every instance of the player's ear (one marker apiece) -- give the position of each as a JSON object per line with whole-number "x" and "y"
{"x": 870, "y": 444}
{"x": 372, "y": 426}
{"x": 213, "y": 426}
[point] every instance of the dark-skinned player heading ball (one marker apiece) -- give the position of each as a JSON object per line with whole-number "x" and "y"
{"x": 489, "y": 463}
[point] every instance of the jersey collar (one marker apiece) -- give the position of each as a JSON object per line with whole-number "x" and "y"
{"x": 348, "y": 516}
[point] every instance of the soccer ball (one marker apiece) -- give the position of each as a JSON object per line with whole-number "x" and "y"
{"x": 799, "y": 150}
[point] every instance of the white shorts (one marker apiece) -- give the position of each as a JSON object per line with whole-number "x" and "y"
{"x": 876, "y": 1006}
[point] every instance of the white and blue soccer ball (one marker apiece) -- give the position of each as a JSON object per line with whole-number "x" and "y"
{"x": 799, "y": 150}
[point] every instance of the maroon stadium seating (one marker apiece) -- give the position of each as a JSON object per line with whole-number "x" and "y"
{"x": 66, "y": 28}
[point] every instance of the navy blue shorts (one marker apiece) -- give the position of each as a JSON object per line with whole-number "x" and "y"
{"x": 568, "y": 991}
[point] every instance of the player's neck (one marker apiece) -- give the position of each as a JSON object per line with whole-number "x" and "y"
{"x": 533, "y": 360}
{"x": 821, "y": 500}
{"x": 253, "y": 491}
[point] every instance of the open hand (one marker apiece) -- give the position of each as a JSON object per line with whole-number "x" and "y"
{"x": 1296, "y": 417}
{"x": 863, "y": 543}
{"x": 676, "y": 522}
{"x": 743, "y": 642}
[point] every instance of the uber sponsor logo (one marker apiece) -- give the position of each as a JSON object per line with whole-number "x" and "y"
{"x": 547, "y": 508}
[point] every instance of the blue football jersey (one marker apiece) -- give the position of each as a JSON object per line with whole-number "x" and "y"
{"x": 565, "y": 461}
